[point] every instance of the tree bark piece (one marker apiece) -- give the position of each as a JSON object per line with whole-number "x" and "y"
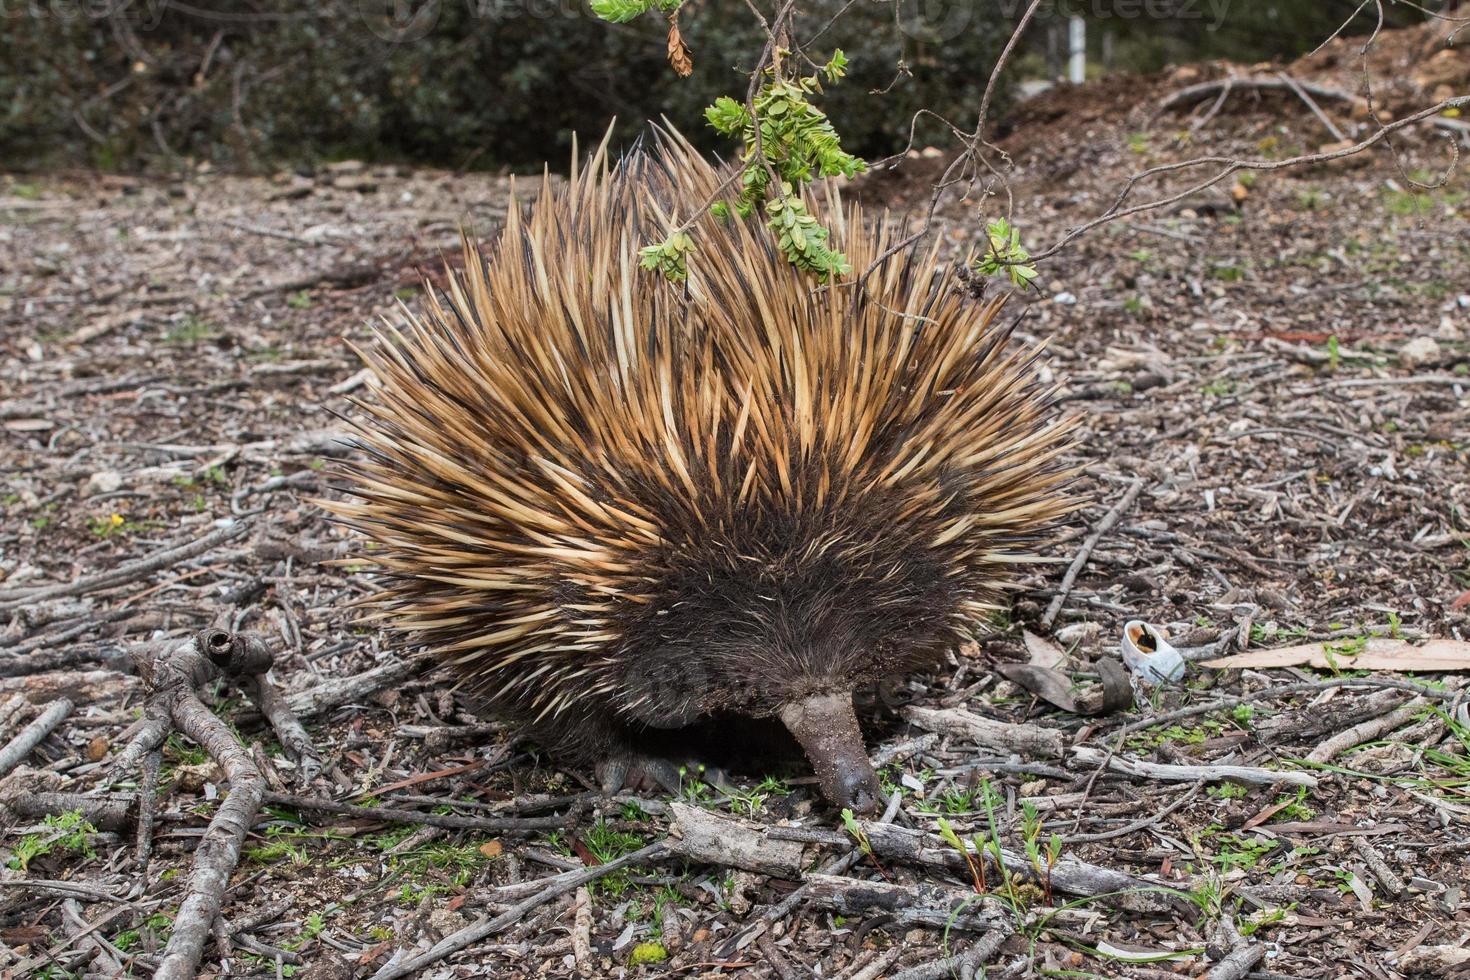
{"x": 1023, "y": 739}
{"x": 78, "y": 686}
{"x": 582, "y": 931}
{"x": 30, "y": 736}
{"x": 111, "y": 812}
{"x": 1391, "y": 882}
{"x": 1187, "y": 774}
{"x": 709, "y": 838}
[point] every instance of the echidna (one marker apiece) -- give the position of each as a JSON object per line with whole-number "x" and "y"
{"x": 616, "y": 506}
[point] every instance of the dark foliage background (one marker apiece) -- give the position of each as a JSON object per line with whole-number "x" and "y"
{"x": 256, "y": 84}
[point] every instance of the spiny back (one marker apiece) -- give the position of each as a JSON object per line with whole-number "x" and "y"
{"x": 581, "y": 477}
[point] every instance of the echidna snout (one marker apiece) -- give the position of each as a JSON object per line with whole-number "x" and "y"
{"x": 827, "y": 728}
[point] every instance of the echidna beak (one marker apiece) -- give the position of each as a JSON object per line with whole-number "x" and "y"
{"x": 827, "y": 728}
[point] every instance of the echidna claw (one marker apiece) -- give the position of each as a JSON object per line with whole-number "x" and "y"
{"x": 641, "y": 773}
{"x": 638, "y": 773}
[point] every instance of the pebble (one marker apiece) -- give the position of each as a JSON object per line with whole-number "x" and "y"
{"x": 103, "y": 481}
{"x": 1420, "y": 352}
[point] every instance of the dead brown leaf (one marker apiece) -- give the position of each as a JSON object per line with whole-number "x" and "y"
{"x": 679, "y": 52}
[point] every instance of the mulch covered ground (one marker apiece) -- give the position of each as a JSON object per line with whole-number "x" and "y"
{"x": 1275, "y": 387}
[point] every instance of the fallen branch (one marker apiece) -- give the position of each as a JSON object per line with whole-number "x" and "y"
{"x": 446, "y": 821}
{"x": 1027, "y": 740}
{"x": 1074, "y": 877}
{"x": 1191, "y": 94}
{"x": 1322, "y": 117}
{"x": 918, "y": 904}
{"x": 111, "y": 812}
{"x": 711, "y": 838}
{"x": 1189, "y": 774}
{"x": 171, "y": 672}
{"x": 326, "y": 696}
{"x": 1238, "y": 963}
{"x": 1366, "y": 731}
{"x": 961, "y": 964}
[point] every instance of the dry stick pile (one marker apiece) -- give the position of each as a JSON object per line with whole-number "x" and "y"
{"x": 172, "y": 671}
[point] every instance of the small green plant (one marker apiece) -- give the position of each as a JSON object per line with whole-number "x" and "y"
{"x": 299, "y": 300}
{"x": 1005, "y": 253}
{"x": 694, "y": 789}
{"x": 279, "y": 850}
{"x": 1239, "y": 852}
{"x": 111, "y": 525}
{"x": 191, "y": 331}
{"x": 1264, "y": 919}
{"x": 67, "y": 832}
{"x": 849, "y": 822}
{"x": 1043, "y": 859}
{"x": 1296, "y": 808}
{"x": 608, "y": 843}
{"x": 860, "y": 836}
{"x": 1138, "y": 143}
{"x": 974, "y": 862}
{"x": 1334, "y": 353}
{"x": 1311, "y": 199}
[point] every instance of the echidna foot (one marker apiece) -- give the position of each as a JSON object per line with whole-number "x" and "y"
{"x": 637, "y": 772}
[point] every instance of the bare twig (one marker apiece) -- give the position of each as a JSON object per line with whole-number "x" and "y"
{"x": 126, "y": 572}
{"x": 1301, "y": 93}
{"x": 1103, "y": 527}
{"x": 486, "y": 927}
{"x": 447, "y": 821}
{"x": 1209, "y": 773}
{"x": 31, "y": 735}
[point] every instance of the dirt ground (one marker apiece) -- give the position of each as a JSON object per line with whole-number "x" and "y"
{"x": 1282, "y": 372}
